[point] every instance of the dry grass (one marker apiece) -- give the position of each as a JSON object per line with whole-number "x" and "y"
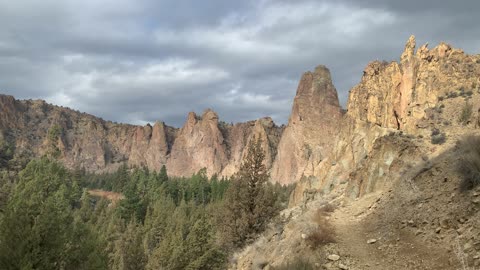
{"x": 327, "y": 208}
{"x": 324, "y": 233}
{"x": 469, "y": 165}
{"x": 296, "y": 264}
{"x": 114, "y": 197}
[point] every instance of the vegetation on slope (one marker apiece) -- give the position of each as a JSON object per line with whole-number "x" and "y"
{"x": 50, "y": 221}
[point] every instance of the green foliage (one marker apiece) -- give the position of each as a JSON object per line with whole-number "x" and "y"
{"x": 38, "y": 230}
{"x": 51, "y": 222}
{"x": 53, "y": 135}
{"x": 466, "y": 113}
{"x": 54, "y": 132}
{"x": 129, "y": 253}
{"x": 249, "y": 202}
{"x": 7, "y": 151}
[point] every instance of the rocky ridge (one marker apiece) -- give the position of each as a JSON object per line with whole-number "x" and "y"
{"x": 406, "y": 97}
{"x": 85, "y": 141}
{"x": 392, "y": 177}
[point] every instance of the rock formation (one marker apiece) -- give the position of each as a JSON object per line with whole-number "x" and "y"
{"x": 313, "y": 123}
{"x": 84, "y": 141}
{"x": 406, "y": 98}
{"x": 199, "y": 144}
{"x": 321, "y": 147}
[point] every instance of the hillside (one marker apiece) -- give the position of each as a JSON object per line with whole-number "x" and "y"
{"x": 400, "y": 182}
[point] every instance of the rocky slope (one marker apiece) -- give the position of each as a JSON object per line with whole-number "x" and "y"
{"x": 394, "y": 175}
{"x": 409, "y": 96}
{"x": 80, "y": 140}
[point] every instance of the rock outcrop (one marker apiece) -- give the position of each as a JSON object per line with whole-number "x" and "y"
{"x": 199, "y": 144}
{"x": 406, "y": 98}
{"x": 85, "y": 141}
{"x": 313, "y": 123}
{"x": 398, "y": 94}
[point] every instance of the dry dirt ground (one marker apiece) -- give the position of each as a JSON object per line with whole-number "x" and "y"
{"x": 361, "y": 245}
{"x": 114, "y": 197}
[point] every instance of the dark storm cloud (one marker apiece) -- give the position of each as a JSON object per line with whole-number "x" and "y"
{"x": 142, "y": 61}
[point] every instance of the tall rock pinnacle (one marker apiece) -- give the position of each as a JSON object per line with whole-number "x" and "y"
{"x": 199, "y": 144}
{"x": 312, "y": 125}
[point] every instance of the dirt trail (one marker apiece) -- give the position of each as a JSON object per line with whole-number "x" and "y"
{"x": 391, "y": 248}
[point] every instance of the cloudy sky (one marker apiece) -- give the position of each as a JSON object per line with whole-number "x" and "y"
{"x": 139, "y": 61}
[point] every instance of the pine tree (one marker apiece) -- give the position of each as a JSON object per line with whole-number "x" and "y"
{"x": 129, "y": 253}
{"x": 163, "y": 176}
{"x": 248, "y": 203}
{"x": 39, "y": 230}
{"x": 202, "y": 254}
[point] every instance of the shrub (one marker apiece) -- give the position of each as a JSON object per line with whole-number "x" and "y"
{"x": 469, "y": 165}
{"x": 323, "y": 234}
{"x": 296, "y": 264}
{"x": 466, "y": 113}
{"x": 452, "y": 95}
{"x": 438, "y": 137}
{"x": 327, "y": 208}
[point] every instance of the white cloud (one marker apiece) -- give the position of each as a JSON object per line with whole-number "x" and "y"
{"x": 139, "y": 61}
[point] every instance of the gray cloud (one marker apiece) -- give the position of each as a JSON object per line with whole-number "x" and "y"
{"x": 142, "y": 61}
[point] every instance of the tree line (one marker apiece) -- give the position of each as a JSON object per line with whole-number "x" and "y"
{"x": 49, "y": 220}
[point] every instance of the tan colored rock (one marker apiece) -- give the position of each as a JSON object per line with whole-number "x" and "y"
{"x": 312, "y": 125}
{"x": 200, "y": 144}
{"x": 239, "y": 136}
{"x": 97, "y": 145}
{"x": 149, "y": 147}
{"x": 391, "y": 96}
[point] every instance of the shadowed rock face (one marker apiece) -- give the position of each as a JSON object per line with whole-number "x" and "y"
{"x": 313, "y": 123}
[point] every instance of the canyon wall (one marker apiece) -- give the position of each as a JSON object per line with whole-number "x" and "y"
{"x": 81, "y": 140}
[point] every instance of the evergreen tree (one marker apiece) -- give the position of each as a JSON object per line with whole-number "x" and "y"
{"x": 248, "y": 203}
{"x": 38, "y": 230}
{"x": 163, "y": 176}
{"x": 202, "y": 253}
{"x": 129, "y": 253}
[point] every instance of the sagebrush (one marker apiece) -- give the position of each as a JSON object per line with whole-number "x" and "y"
{"x": 296, "y": 264}
{"x": 323, "y": 234}
{"x": 469, "y": 163}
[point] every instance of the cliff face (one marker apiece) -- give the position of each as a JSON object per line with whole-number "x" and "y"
{"x": 397, "y": 95}
{"x": 312, "y": 125}
{"x": 426, "y": 90}
{"x": 85, "y": 141}
{"x": 199, "y": 144}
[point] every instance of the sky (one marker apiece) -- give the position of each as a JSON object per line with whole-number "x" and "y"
{"x": 139, "y": 61}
